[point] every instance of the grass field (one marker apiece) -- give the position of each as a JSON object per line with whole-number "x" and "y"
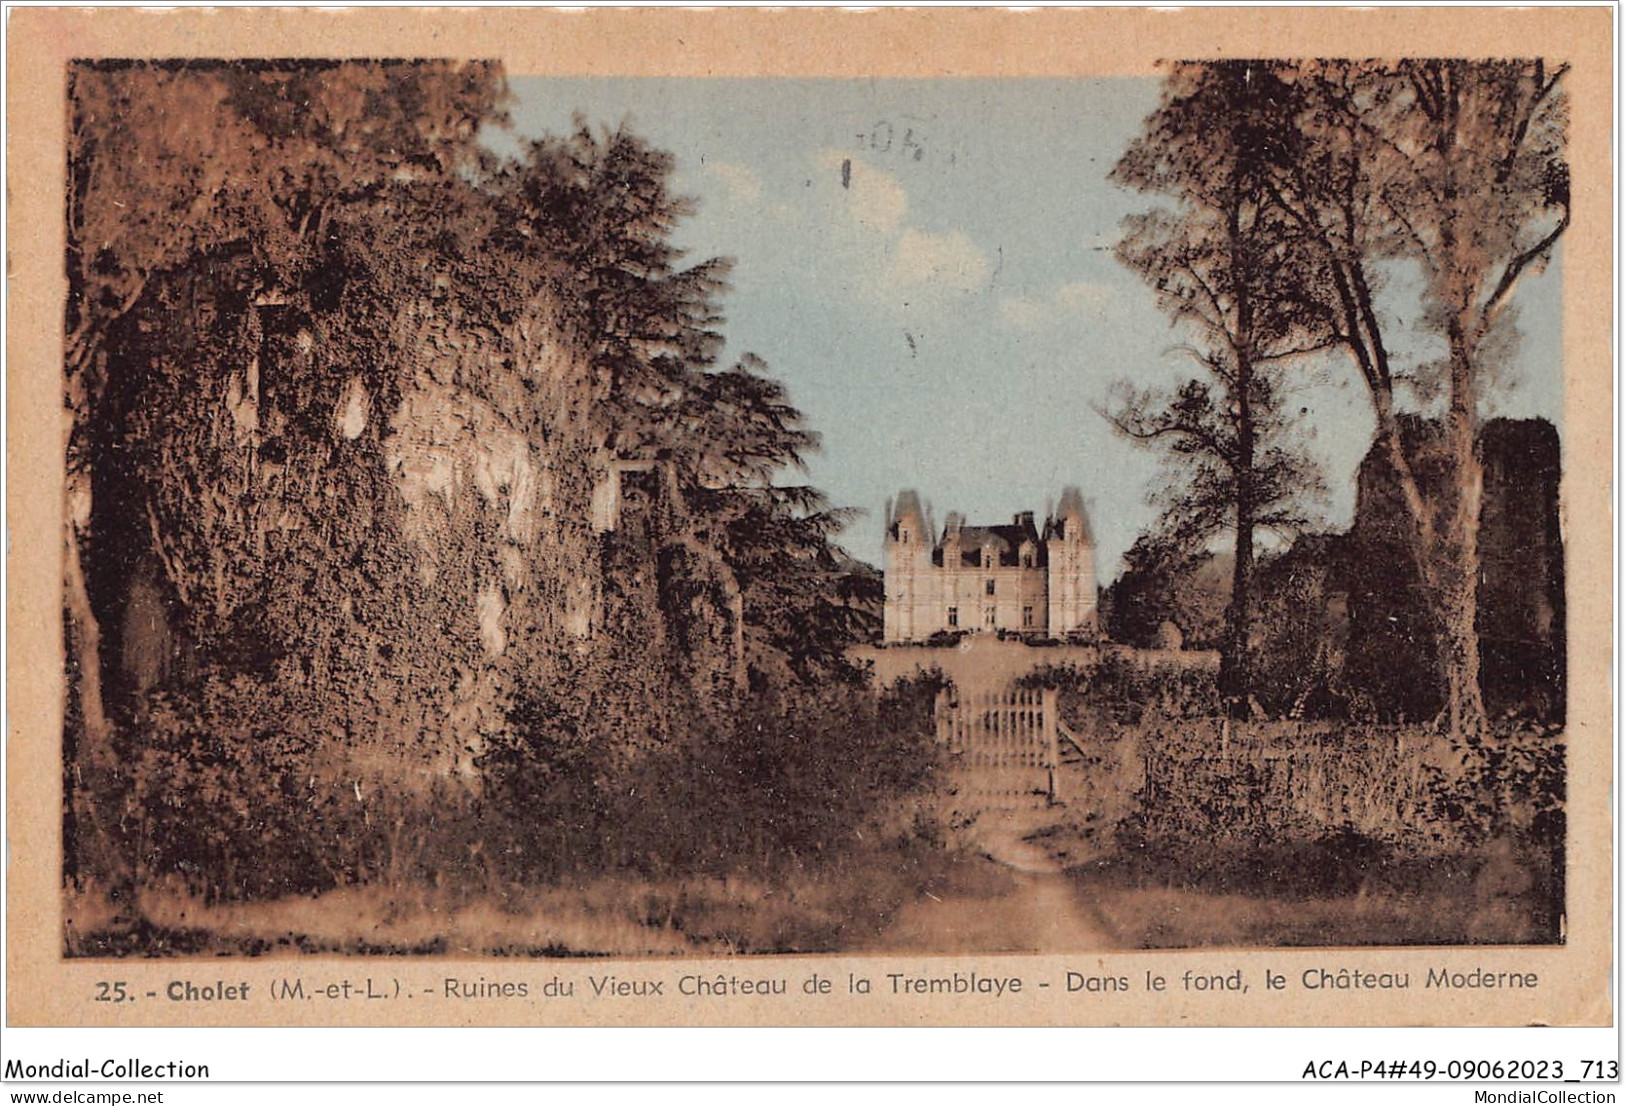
{"x": 617, "y": 916}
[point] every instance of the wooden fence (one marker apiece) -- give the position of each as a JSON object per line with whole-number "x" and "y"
{"x": 1286, "y": 785}
{"x": 1004, "y": 742}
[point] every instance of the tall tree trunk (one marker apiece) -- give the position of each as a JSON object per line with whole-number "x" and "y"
{"x": 95, "y": 741}
{"x": 1429, "y": 549}
{"x": 96, "y": 790}
{"x": 1235, "y": 661}
{"x": 1458, "y": 598}
{"x": 1458, "y": 615}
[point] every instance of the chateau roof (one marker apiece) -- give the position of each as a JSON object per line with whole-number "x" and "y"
{"x": 1005, "y": 541}
{"x": 1071, "y": 506}
{"x": 906, "y": 507}
{"x": 908, "y": 504}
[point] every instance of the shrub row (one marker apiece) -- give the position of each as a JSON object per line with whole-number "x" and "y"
{"x": 794, "y": 780}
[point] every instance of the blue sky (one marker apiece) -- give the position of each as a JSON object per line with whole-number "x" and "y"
{"x": 927, "y": 266}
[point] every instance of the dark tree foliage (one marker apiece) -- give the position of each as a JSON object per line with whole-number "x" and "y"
{"x": 399, "y": 475}
{"x": 1326, "y": 176}
{"x": 201, "y": 246}
{"x": 1459, "y": 169}
{"x": 1167, "y": 582}
{"x": 1225, "y": 265}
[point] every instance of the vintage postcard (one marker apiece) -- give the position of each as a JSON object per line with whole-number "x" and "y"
{"x": 960, "y": 517}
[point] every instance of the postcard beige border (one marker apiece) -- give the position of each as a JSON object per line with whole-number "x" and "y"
{"x": 45, "y": 990}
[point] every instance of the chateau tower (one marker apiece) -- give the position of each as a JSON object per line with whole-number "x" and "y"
{"x": 908, "y": 567}
{"x": 1071, "y": 546}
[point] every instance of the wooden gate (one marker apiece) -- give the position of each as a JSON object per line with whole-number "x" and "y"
{"x": 1002, "y": 742}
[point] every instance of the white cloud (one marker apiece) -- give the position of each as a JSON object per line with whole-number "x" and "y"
{"x": 1086, "y": 297}
{"x": 948, "y": 262}
{"x": 870, "y": 197}
{"x": 846, "y": 224}
{"x": 1083, "y": 299}
{"x": 858, "y": 216}
{"x": 743, "y": 185}
{"x": 1021, "y": 312}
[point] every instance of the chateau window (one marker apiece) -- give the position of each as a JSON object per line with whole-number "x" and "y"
{"x": 988, "y": 616}
{"x": 953, "y": 616}
{"x": 1027, "y": 617}
{"x": 1026, "y": 560}
{"x": 990, "y": 587}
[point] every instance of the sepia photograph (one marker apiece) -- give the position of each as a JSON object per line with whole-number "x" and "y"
{"x": 443, "y": 573}
{"x": 519, "y": 521}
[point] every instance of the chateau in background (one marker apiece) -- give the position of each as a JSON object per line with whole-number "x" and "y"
{"x": 989, "y": 578}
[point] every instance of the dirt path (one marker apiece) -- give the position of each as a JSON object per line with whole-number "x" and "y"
{"x": 1041, "y": 911}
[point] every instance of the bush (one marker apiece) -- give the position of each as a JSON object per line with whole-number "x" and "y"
{"x": 1338, "y": 862}
{"x": 226, "y": 812}
{"x": 794, "y": 779}
{"x": 264, "y": 808}
{"x": 1119, "y": 692}
{"x": 265, "y": 805}
{"x": 1511, "y": 781}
